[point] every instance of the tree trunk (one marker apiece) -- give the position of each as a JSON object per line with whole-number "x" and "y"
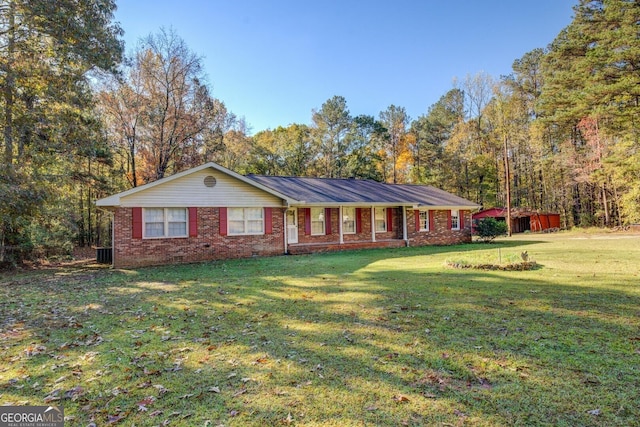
{"x": 8, "y": 90}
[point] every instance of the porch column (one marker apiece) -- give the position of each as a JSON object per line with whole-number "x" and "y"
{"x": 404, "y": 224}
{"x": 340, "y": 224}
{"x": 373, "y": 223}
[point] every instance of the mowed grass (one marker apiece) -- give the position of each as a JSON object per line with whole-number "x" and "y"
{"x": 375, "y": 338}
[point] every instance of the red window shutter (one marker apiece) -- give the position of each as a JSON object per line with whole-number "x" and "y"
{"x": 417, "y": 219}
{"x": 461, "y": 219}
{"x": 193, "y": 222}
{"x": 307, "y": 220}
{"x": 358, "y": 220}
{"x": 327, "y": 220}
{"x": 448, "y": 220}
{"x": 432, "y": 220}
{"x": 223, "y": 221}
{"x": 136, "y": 223}
{"x": 390, "y": 219}
{"x": 268, "y": 221}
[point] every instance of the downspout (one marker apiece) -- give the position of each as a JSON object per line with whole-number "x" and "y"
{"x": 285, "y": 227}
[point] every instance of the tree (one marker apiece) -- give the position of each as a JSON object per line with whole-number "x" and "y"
{"x": 366, "y": 137}
{"x": 591, "y": 73}
{"x": 282, "y": 151}
{"x": 395, "y": 120}
{"x": 430, "y": 135}
{"x": 331, "y": 126}
{"x": 160, "y": 113}
{"x": 48, "y": 50}
{"x": 179, "y": 105}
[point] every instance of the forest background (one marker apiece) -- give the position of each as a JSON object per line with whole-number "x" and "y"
{"x": 80, "y": 121}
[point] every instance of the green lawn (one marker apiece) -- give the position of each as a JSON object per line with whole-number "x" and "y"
{"x": 380, "y": 337}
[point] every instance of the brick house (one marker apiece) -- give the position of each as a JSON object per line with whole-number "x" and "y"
{"x": 210, "y": 212}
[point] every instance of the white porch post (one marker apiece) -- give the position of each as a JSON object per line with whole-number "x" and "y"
{"x": 404, "y": 224}
{"x": 373, "y": 223}
{"x": 340, "y": 224}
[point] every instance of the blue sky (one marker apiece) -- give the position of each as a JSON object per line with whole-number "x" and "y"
{"x": 273, "y": 62}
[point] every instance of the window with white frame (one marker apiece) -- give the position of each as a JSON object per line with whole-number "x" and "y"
{"x": 455, "y": 220}
{"x": 165, "y": 222}
{"x": 381, "y": 220}
{"x": 424, "y": 220}
{"x": 349, "y": 220}
{"x": 245, "y": 221}
{"x": 317, "y": 221}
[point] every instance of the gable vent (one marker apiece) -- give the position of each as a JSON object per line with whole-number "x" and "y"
{"x": 209, "y": 181}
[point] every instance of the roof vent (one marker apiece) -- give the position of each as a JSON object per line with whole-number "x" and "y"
{"x": 209, "y": 181}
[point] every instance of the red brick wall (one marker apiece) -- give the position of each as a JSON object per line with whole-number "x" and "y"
{"x": 208, "y": 245}
{"x": 441, "y": 234}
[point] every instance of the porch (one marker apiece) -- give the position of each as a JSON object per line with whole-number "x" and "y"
{"x": 309, "y": 248}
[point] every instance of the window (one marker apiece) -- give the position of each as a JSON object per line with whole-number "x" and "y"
{"x": 381, "y": 220}
{"x": 424, "y": 220}
{"x": 349, "y": 220}
{"x": 317, "y": 221}
{"x": 165, "y": 222}
{"x": 245, "y": 221}
{"x": 455, "y": 220}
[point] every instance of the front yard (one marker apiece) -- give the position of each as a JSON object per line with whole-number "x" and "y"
{"x": 379, "y": 337}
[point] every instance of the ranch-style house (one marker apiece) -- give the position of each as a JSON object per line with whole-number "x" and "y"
{"x": 210, "y": 213}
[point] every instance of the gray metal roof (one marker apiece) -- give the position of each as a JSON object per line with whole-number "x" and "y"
{"x": 335, "y": 191}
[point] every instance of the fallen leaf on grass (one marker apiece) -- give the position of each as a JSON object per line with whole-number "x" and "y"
{"x": 161, "y": 389}
{"x": 186, "y": 396}
{"x": 240, "y": 392}
{"x": 33, "y": 350}
{"x": 151, "y": 371}
{"x": 142, "y": 405}
{"x": 400, "y": 398}
{"x": 234, "y": 413}
{"x": 595, "y": 412}
{"x": 113, "y": 419}
{"x": 52, "y": 396}
{"x": 214, "y": 389}
{"x": 74, "y": 393}
{"x": 289, "y": 419}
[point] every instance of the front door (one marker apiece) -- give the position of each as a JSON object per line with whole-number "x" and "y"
{"x": 292, "y": 226}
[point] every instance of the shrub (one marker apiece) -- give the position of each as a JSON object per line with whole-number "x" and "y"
{"x": 490, "y": 228}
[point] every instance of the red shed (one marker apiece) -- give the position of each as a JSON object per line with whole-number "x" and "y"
{"x": 522, "y": 219}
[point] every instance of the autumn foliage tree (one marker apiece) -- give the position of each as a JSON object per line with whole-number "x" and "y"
{"x": 50, "y": 134}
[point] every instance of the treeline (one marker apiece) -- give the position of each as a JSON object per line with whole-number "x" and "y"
{"x": 81, "y": 120}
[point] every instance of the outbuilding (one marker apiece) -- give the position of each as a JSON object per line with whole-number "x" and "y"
{"x": 522, "y": 219}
